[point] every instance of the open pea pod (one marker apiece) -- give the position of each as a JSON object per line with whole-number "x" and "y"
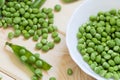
{"x": 16, "y": 49}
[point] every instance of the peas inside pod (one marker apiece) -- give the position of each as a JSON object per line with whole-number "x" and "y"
{"x": 28, "y": 20}
{"x": 99, "y": 43}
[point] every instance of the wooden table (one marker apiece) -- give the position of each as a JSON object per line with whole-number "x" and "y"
{"x": 12, "y": 69}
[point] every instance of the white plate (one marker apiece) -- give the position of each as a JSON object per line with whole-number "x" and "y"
{"x": 80, "y": 16}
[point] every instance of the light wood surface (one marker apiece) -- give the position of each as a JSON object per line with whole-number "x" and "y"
{"x": 12, "y": 69}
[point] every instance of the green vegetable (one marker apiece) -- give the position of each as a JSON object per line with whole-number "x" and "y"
{"x": 69, "y": 71}
{"x": 28, "y": 59}
{"x": 69, "y": 1}
{"x": 52, "y": 78}
{"x": 38, "y": 3}
{"x": 99, "y": 41}
{"x": 57, "y": 7}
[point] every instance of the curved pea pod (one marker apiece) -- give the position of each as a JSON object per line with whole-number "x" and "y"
{"x": 38, "y": 3}
{"x": 68, "y": 1}
{"x": 16, "y": 49}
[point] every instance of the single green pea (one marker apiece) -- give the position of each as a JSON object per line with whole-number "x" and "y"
{"x": 118, "y": 22}
{"x": 34, "y": 27}
{"x": 116, "y": 48}
{"x": 35, "y": 37}
{"x": 89, "y": 50}
{"x": 41, "y": 20}
{"x": 113, "y": 11}
{"x": 52, "y": 78}
{"x": 81, "y": 41}
{"x": 32, "y": 59}
{"x": 38, "y": 63}
{"x": 38, "y": 72}
{"x": 22, "y": 11}
{"x": 30, "y": 22}
{"x": 100, "y": 48}
{"x": 12, "y": 10}
{"x": 44, "y": 41}
{"x": 111, "y": 69}
{"x": 16, "y": 14}
{"x": 79, "y": 35}
{"x": 24, "y": 31}
{"x": 107, "y": 56}
{"x": 39, "y": 32}
{"x": 45, "y": 24}
{"x": 57, "y": 7}
{"x": 45, "y": 48}
{"x": 116, "y": 76}
{"x": 27, "y": 15}
{"x": 98, "y": 58}
{"x": 111, "y": 43}
{"x": 22, "y": 51}
{"x": 37, "y": 55}
{"x": 69, "y": 71}
{"x": 10, "y": 35}
{"x": 86, "y": 57}
{"x": 117, "y": 34}
{"x": 54, "y": 34}
{"x": 45, "y": 36}
{"x": 98, "y": 36}
{"x": 117, "y": 41}
{"x": 93, "y": 31}
{"x": 35, "y": 10}
{"x": 17, "y": 33}
{"x": 108, "y": 75}
{"x": 51, "y": 45}
{"x": 17, "y": 6}
{"x": 112, "y": 21}
{"x": 23, "y": 58}
{"x": 26, "y": 35}
{"x": 51, "y": 15}
{"x": 97, "y": 69}
{"x": 93, "y": 56}
{"x": 31, "y": 32}
{"x": 44, "y": 30}
{"x": 17, "y": 20}
{"x": 39, "y": 45}
{"x": 32, "y": 16}
{"x": 117, "y": 59}
{"x": 50, "y": 20}
{"x": 35, "y": 20}
{"x": 92, "y": 18}
{"x": 57, "y": 39}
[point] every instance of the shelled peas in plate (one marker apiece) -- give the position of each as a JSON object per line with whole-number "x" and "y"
{"x": 30, "y": 22}
{"x": 99, "y": 43}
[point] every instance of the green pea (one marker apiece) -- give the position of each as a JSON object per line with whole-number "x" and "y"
{"x": 103, "y": 72}
{"x": 51, "y": 45}
{"x": 118, "y": 22}
{"x": 34, "y": 27}
{"x": 89, "y": 36}
{"x": 27, "y": 15}
{"x": 35, "y": 37}
{"x": 35, "y": 10}
{"x": 12, "y": 10}
{"x": 39, "y": 63}
{"x": 32, "y": 59}
{"x": 111, "y": 62}
{"x": 17, "y": 33}
{"x": 57, "y": 7}
{"x": 117, "y": 41}
{"x": 44, "y": 30}
{"x": 17, "y": 6}
{"x": 32, "y": 16}
{"x": 81, "y": 41}
{"x": 52, "y": 78}
{"x": 116, "y": 48}
{"x": 79, "y": 35}
{"x": 98, "y": 36}
{"x": 117, "y": 59}
{"x": 111, "y": 43}
{"x": 31, "y": 32}
{"x": 117, "y": 34}
{"x": 37, "y": 55}
{"x": 89, "y": 50}
{"x": 93, "y": 56}
{"x": 107, "y": 56}
{"x": 98, "y": 58}
{"x": 22, "y": 11}
{"x": 111, "y": 69}
{"x": 113, "y": 11}
{"x": 23, "y": 58}
{"x": 39, "y": 45}
{"x": 10, "y": 35}
{"x": 38, "y": 72}
{"x": 100, "y": 48}
{"x": 97, "y": 69}
{"x": 69, "y": 71}
{"x": 17, "y": 20}
{"x": 54, "y": 34}
{"x": 39, "y": 32}
{"x": 86, "y": 57}
{"x": 26, "y": 35}
{"x": 45, "y": 48}
{"x": 108, "y": 75}
{"x": 45, "y": 36}
{"x": 35, "y": 20}
{"x": 51, "y": 21}
{"x": 44, "y": 41}
{"x": 92, "y": 18}
{"x": 22, "y": 51}
{"x": 57, "y": 39}
{"x": 51, "y": 15}
{"x": 112, "y": 21}
{"x": 116, "y": 76}
{"x": 30, "y": 22}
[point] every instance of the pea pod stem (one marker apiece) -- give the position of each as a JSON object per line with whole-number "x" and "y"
{"x": 16, "y": 49}
{"x": 38, "y": 3}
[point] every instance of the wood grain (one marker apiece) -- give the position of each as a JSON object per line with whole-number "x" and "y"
{"x": 59, "y": 57}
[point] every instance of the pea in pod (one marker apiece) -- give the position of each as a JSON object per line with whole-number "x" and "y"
{"x": 29, "y": 59}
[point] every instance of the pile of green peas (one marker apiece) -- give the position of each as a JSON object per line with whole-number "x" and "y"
{"x": 99, "y": 43}
{"x": 30, "y": 22}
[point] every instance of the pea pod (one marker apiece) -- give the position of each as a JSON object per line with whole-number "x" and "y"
{"x": 68, "y": 1}
{"x": 16, "y": 49}
{"x": 38, "y": 3}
